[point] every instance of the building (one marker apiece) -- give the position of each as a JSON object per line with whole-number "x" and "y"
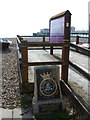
{"x": 43, "y": 32}
{"x": 72, "y": 29}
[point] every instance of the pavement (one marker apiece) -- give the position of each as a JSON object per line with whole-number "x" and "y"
{"x": 16, "y": 114}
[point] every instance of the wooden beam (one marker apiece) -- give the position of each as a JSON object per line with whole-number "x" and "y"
{"x": 79, "y": 105}
{"x": 65, "y": 49}
{"x": 77, "y": 39}
{"x": 51, "y": 50}
{"x": 44, "y": 63}
{"x": 25, "y": 36}
{"x": 42, "y": 44}
{"x": 65, "y": 57}
{"x": 80, "y": 37}
{"x": 83, "y": 50}
{"x": 87, "y": 75}
{"x": 24, "y": 69}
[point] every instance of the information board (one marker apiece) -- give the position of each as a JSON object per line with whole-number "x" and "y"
{"x": 57, "y": 30}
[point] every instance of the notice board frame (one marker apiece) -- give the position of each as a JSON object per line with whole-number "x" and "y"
{"x": 65, "y": 50}
{"x": 67, "y": 23}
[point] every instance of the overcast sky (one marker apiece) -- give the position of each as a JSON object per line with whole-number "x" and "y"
{"x": 24, "y": 17}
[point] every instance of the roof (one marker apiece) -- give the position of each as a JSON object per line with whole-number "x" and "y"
{"x": 60, "y": 14}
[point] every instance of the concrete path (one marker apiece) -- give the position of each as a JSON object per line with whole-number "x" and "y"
{"x": 17, "y": 113}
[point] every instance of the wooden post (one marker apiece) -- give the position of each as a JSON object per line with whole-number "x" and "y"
{"x": 24, "y": 69}
{"x": 65, "y": 49}
{"x": 51, "y": 50}
{"x": 43, "y": 41}
{"x": 20, "y": 38}
{"x": 65, "y": 57}
{"x": 77, "y": 39}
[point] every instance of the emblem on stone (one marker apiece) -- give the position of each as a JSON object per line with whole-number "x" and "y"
{"x": 48, "y": 86}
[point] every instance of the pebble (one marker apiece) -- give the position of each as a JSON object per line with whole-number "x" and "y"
{"x": 10, "y": 76}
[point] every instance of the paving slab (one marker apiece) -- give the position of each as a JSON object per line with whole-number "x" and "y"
{"x": 7, "y": 113}
{"x": 22, "y": 113}
{"x": 16, "y": 114}
{"x": 0, "y": 113}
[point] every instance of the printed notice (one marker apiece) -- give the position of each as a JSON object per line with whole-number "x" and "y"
{"x": 57, "y": 30}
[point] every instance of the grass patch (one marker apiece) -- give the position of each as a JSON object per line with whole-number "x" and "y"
{"x": 59, "y": 115}
{"x": 11, "y": 106}
{"x": 25, "y": 102}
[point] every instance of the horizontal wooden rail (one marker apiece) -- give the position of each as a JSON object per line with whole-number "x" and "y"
{"x": 80, "y": 37}
{"x": 79, "y": 105}
{"x": 84, "y": 73}
{"x": 45, "y": 63}
{"x": 47, "y": 36}
{"x": 46, "y": 48}
{"x": 23, "y": 36}
{"x": 84, "y": 50}
{"x": 42, "y": 44}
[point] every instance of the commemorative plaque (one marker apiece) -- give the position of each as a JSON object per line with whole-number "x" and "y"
{"x": 47, "y": 93}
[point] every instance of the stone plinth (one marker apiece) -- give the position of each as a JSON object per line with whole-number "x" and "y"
{"x": 47, "y": 92}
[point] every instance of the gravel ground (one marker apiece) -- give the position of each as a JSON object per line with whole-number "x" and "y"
{"x": 10, "y": 77}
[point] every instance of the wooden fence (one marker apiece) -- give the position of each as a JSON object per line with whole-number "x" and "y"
{"x": 83, "y": 50}
{"x": 23, "y": 45}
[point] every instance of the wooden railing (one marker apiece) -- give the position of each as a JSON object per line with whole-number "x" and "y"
{"x": 82, "y": 50}
{"x": 23, "y": 45}
{"x": 78, "y": 48}
{"x": 23, "y": 48}
{"x": 77, "y": 39}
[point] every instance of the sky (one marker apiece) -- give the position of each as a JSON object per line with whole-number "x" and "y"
{"x": 25, "y": 17}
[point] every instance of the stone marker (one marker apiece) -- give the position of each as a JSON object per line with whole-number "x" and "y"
{"x": 47, "y": 94}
